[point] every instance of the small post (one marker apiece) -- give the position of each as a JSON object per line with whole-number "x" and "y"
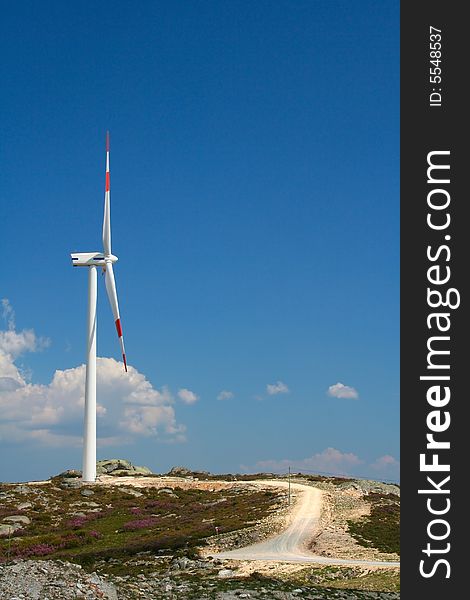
{"x": 289, "y": 487}
{"x": 9, "y": 544}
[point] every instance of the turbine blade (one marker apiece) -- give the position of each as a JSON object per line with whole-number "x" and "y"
{"x": 112, "y": 295}
{"x": 107, "y": 207}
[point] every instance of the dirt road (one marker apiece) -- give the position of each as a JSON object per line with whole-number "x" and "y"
{"x": 291, "y": 545}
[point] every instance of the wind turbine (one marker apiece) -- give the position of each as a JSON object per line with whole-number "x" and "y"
{"x": 92, "y": 260}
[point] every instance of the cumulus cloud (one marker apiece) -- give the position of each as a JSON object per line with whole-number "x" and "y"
{"x": 8, "y": 384}
{"x": 147, "y": 420}
{"x": 187, "y": 396}
{"x": 128, "y": 404}
{"x": 386, "y": 464}
{"x": 225, "y": 395}
{"x": 14, "y": 343}
{"x": 330, "y": 460}
{"x": 277, "y": 388}
{"x": 339, "y": 390}
{"x": 131, "y": 405}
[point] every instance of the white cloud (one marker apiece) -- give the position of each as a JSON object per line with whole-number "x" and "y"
{"x": 147, "y": 420}
{"x": 386, "y": 464}
{"x": 339, "y": 390}
{"x": 8, "y": 384}
{"x": 8, "y": 313}
{"x": 128, "y": 405}
{"x": 187, "y": 396}
{"x": 9, "y": 371}
{"x": 277, "y": 388}
{"x": 225, "y": 395}
{"x": 330, "y": 460}
{"x": 14, "y": 344}
{"x": 333, "y": 462}
{"x": 52, "y": 414}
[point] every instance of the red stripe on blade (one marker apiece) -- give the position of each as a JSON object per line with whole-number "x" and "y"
{"x": 107, "y": 141}
{"x": 125, "y": 361}
{"x": 107, "y": 181}
{"x": 118, "y": 327}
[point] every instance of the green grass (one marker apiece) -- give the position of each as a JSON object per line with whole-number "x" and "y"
{"x": 378, "y": 581}
{"x": 380, "y": 529}
{"x": 127, "y": 525}
{"x": 322, "y": 581}
{"x": 345, "y": 577}
{"x": 179, "y": 525}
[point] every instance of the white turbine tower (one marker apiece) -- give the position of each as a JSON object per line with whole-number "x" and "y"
{"x": 92, "y": 260}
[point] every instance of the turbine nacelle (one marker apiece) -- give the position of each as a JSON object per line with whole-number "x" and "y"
{"x": 88, "y": 259}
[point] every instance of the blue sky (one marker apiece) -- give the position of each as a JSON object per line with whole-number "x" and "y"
{"x": 255, "y": 213}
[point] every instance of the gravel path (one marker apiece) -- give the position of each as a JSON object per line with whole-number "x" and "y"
{"x": 291, "y": 545}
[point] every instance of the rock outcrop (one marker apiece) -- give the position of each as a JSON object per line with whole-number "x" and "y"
{"x": 37, "y": 580}
{"x": 119, "y": 467}
{"x": 366, "y": 486}
{"x": 184, "y": 472}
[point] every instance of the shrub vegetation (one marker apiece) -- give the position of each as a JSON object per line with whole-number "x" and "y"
{"x": 118, "y": 524}
{"x": 380, "y": 529}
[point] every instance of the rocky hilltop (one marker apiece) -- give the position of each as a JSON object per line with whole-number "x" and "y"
{"x": 134, "y": 534}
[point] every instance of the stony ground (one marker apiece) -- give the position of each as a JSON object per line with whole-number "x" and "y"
{"x": 112, "y": 532}
{"x": 181, "y": 579}
{"x": 342, "y": 504}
